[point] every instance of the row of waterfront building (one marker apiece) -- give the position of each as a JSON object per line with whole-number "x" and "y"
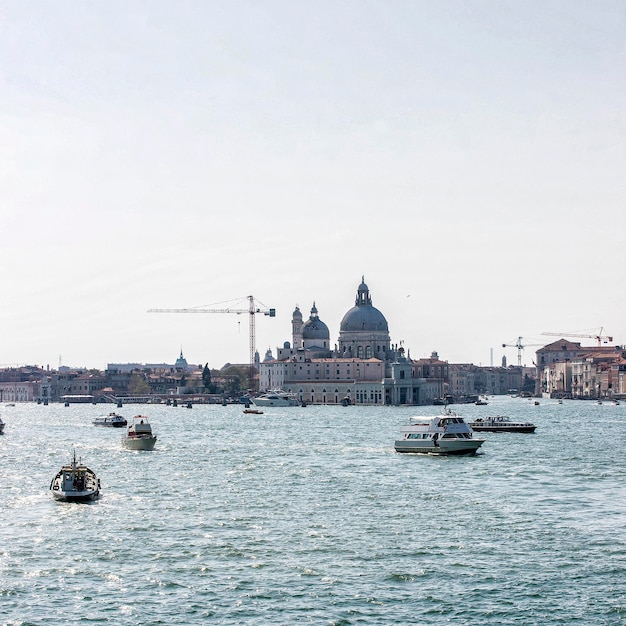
{"x": 565, "y": 369}
{"x": 364, "y": 367}
{"x": 439, "y": 379}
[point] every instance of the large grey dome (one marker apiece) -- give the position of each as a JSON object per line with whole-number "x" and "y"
{"x": 363, "y": 316}
{"x": 314, "y": 328}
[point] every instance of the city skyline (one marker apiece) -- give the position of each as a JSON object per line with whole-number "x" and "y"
{"x": 463, "y": 156}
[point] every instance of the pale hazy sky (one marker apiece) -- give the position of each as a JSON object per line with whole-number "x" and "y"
{"x": 468, "y": 157}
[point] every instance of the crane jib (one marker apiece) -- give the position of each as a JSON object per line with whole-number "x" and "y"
{"x": 252, "y": 310}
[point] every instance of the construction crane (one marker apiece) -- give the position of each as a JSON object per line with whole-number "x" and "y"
{"x": 519, "y": 347}
{"x": 599, "y": 337}
{"x": 252, "y": 311}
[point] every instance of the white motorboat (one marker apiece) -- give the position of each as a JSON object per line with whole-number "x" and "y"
{"x": 443, "y": 434}
{"x": 139, "y": 435}
{"x": 112, "y": 419}
{"x": 75, "y": 482}
{"x": 501, "y": 423}
{"x": 276, "y": 398}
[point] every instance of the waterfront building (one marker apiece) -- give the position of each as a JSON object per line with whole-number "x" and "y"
{"x": 25, "y": 384}
{"x": 567, "y": 369}
{"x": 547, "y": 378}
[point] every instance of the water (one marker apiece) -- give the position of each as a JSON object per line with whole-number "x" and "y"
{"x": 308, "y": 515}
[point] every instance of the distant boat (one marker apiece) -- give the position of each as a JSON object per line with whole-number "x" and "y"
{"x": 501, "y": 423}
{"x": 75, "y": 482}
{"x": 276, "y": 398}
{"x": 1, "y": 426}
{"x": 112, "y": 419}
{"x": 139, "y": 435}
{"x": 253, "y": 411}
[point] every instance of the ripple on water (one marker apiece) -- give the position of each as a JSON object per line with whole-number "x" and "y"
{"x": 311, "y": 517}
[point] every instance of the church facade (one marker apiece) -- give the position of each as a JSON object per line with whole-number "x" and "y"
{"x": 363, "y": 368}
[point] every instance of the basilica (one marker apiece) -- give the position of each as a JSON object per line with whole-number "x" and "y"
{"x": 362, "y": 368}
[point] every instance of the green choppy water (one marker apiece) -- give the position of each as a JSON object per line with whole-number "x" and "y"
{"x": 307, "y": 515}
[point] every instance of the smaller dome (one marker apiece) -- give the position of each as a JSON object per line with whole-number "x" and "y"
{"x": 314, "y": 328}
{"x": 297, "y": 314}
{"x": 317, "y": 330}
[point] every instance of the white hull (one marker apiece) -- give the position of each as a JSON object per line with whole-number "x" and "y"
{"x": 444, "y": 446}
{"x": 139, "y": 443}
{"x": 275, "y": 402}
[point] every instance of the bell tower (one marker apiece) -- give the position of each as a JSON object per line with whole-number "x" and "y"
{"x": 296, "y": 328}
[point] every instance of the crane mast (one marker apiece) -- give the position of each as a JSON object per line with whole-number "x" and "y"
{"x": 520, "y": 346}
{"x": 252, "y": 311}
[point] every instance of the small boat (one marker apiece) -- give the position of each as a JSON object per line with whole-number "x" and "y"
{"x": 112, "y": 419}
{"x": 75, "y": 482}
{"x": 276, "y": 398}
{"x": 253, "y": 411}
{"x": 1, "y": 426}
{"x": 139, "y": 435}
{"x": 501, "y": 423}
{"x": 444, "y": 434}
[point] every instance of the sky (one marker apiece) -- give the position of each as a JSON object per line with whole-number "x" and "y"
{"x": 466, "y": 157}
